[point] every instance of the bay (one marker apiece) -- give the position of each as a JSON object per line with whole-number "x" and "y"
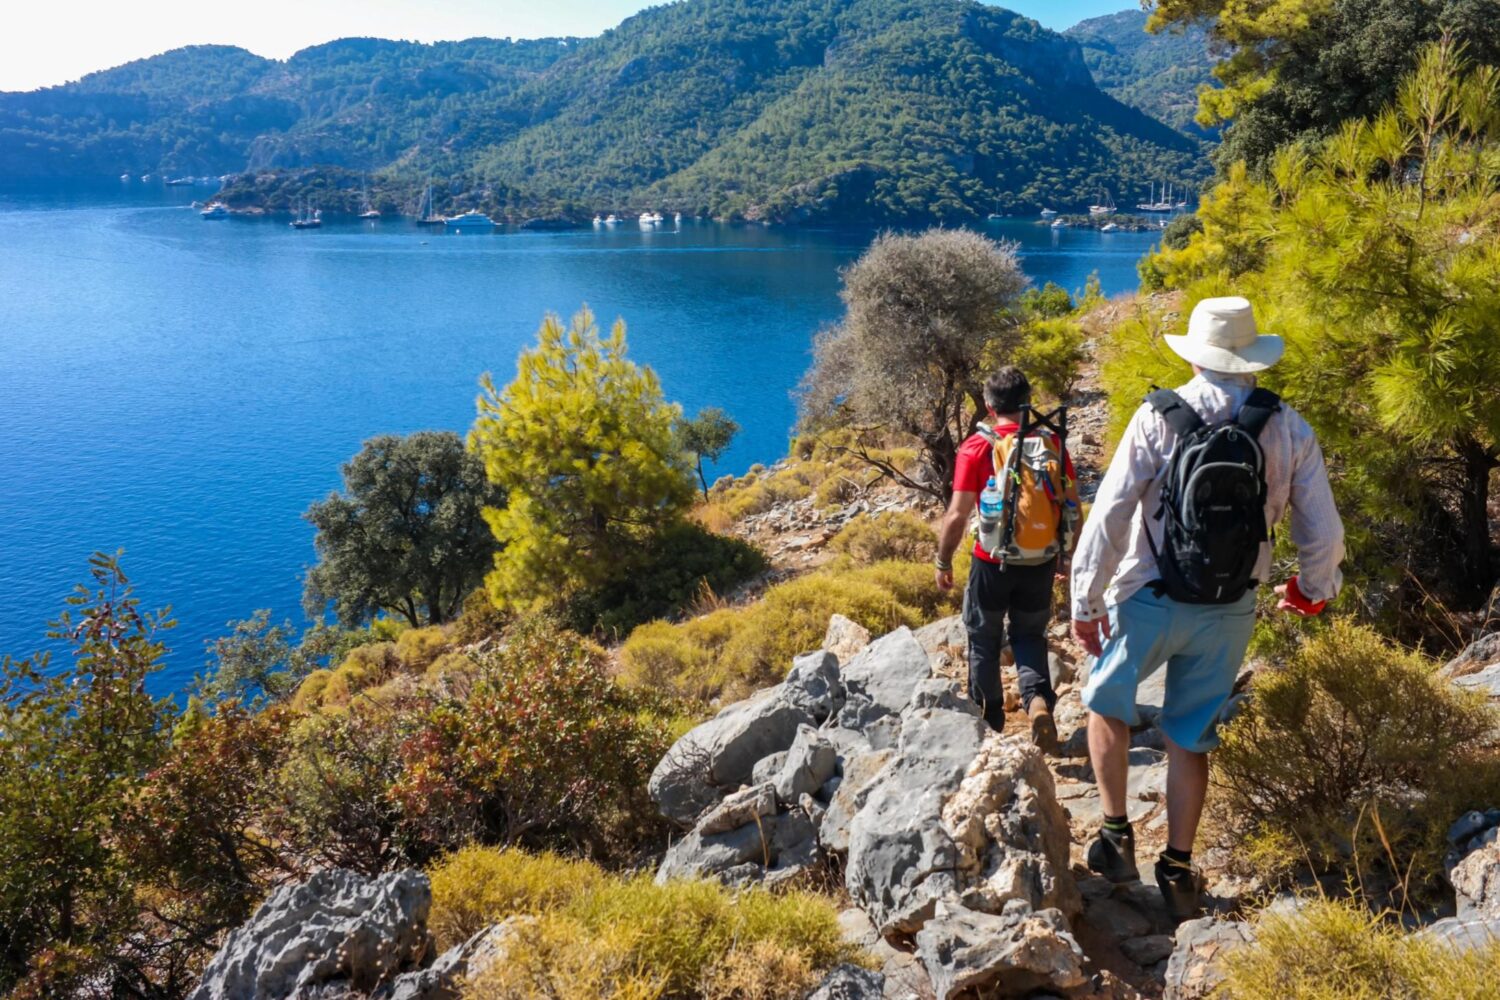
{"x": 183, "y": 389}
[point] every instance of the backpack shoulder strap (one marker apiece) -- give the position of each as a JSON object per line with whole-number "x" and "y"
{"x": 1261, "y": 405}
{"x": 1181, "y": 417}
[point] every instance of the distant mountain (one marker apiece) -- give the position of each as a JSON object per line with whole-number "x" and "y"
{"x": 879, "y": 110}
{"x": 1157, "y": 73}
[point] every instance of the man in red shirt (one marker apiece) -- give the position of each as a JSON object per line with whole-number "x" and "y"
{"x": 999, "y": 599}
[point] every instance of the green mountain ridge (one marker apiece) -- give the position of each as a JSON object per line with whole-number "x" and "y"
{"x": 868, "y": 110}
{"x": 1158, "y": 73}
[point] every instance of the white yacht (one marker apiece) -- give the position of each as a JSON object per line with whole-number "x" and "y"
{"x": 125, "y": 178}
{"x": 612, "y": 219}
{"x": 1048, "y": 213}
{"x": 1105, "y": 206}
{"x": 598, "y": 221}
{"x": 469, "y": 220}
{"x": 1059, "y": 224}
{"x": 650, "y": 218}
{"x": 1108, "y": 227}
{"x": 215, "y": 210}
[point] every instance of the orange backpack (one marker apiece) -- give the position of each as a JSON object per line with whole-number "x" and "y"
{"x": 1041, "y": 512}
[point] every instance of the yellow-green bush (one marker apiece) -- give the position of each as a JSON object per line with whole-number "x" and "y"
{"x": 596, "y": 935}
{"x": 899, "y": 535}
{"x": 1353, "y": 745}
{"x": 1050, "y": 353}
{"x": 733, "y": 651}
{"x": 364, "y": 667}
{"x": 477, "y": 886}
{"x": 1331, "y": 950}
{"x": 418, "y": 647}
{"x": 449, "y": 666}
{"x": 310, "y": 692}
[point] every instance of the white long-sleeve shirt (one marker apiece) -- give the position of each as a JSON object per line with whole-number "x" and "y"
{"x": 1114, "y": 557}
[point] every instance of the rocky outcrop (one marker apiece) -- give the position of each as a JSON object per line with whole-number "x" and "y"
{"x": 1474, "y": 865}
{"x": 1196, "y": 967}
{"x": 1477, "y": 668}
{"x": 341, "y": 934}
{"x": 850, "y": 982}
{"x": 951, "y": 841}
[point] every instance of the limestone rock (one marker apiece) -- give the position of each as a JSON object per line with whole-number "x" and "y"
{"x": 850, "y": 982}
{"x": 444, "y": 979}
{"x": 1195, "y": 970}
{"x": 810, "y": 762}
{"x": 1011, "y": 833}
{"x": 938, "y": 692}
{"x": 336, "y": 931}
{"x": 1462, "y": 934}
{"x": 720, "y": 755}
{"x": 767, "y": 768}
{"x": 1476, "y": 883}
{"x": 901, "y": 859}
{"x": 845, "y": 638}
{"x": 849, "y": 798}
{"x": 813, "y": 684}
{"x": 888, "y": 670}
{"x": 769, "y": 849}
{"x": 1148, "y": 950}
{"x": 740, "y": 809}
{"x": 1010, "y": 954}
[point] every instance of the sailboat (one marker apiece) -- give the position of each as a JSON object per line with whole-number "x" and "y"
{"x": 1106, "y": 205}
{"x": 367, "y": 211}
{"x": 307, "y": 217}
{"x": 426, "y": 216}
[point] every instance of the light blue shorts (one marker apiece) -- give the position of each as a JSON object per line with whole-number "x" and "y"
{"x": 1203, "y": 647}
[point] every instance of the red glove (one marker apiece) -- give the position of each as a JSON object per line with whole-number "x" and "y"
{"x": 1294, "y": 601}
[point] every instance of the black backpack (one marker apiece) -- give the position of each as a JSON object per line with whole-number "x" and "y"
{"x": 1213, "y": 501}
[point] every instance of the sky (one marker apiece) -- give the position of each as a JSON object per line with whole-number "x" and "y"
{"x": 46, "y": 42}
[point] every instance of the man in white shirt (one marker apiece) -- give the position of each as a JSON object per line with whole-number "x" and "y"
{"x": 1132, "y": 608}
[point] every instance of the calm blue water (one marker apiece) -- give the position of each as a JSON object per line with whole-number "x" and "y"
{"x": 183, "y": 389}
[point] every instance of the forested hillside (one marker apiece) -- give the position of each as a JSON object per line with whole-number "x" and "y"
{"x": 1157, "y": 73}
{"x": 787, "y": 109}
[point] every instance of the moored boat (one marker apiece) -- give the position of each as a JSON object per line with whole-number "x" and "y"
{"x": 215, "y": 210}
{"x": 469, "y": 220}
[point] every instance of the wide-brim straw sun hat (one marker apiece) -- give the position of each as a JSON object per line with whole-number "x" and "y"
{"x": 1222, "y": 337}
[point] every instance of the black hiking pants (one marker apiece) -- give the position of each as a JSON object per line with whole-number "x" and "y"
{"x": 1016, "y": 602}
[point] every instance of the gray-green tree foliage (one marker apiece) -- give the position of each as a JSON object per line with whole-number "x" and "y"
{"x": 925, "y": 317}
{"x": 407, "y": 535}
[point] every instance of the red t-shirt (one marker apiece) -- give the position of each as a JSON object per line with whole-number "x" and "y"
{"x": 976, "y": 464}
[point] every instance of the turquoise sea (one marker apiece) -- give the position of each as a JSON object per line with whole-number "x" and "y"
{"x": 182, "y": 389}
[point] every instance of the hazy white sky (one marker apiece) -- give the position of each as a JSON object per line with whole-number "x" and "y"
{"x": 45, "y": 42}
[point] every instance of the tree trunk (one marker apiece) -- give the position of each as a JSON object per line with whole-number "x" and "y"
{"x": 1474, "y": 516}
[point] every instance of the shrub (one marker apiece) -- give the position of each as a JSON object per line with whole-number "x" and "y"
{"x": 310, "y": 692}
{"x": 1353, "y": 746}
{"x": 682, "y": 563}
{"x": 545, "y": 749}
{"x": 902, "y": 536}
{"x": 364, "y": 667}
{"x": 733, "y": 651}
{"x": 448, "y": 667}
{"x": 418, "y": 647}
{"x": 1049, "y": 352}
{"x": 480, "y": 620}
{"x": 477, "y": 886}
{"x": 603, "y": 936}
{"x": 1330, "y": 950}
{"x": 333, "y": 787}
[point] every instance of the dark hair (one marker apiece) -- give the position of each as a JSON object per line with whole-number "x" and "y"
{"x": 1007, "y": 390}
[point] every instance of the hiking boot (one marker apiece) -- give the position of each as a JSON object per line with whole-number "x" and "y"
{"x": 1113, "y": 856}
{"x": 1043, "y": 728}
{"x": 1181, "y": 887}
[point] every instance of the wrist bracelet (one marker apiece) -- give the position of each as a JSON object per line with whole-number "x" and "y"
{"x": 946, "y": 565}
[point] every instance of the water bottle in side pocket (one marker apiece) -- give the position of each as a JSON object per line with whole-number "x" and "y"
{"x": 991, "y": 507}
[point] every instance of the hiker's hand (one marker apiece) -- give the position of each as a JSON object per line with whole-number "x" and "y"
{"x": 1064, "y": 571}
{"x": 1294, "y": 603}
{"x": 945, "y": 580}
{"x": 1091, "y": 635}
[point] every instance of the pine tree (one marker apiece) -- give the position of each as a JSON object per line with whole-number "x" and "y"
{"x": 584, "y": 445}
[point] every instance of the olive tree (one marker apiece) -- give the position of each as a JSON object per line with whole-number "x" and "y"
{"x": 407, "y": 536}
{"x": 925, "y": 318}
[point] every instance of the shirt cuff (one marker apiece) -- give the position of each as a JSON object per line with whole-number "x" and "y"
{"x": 1087, "y": 608}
